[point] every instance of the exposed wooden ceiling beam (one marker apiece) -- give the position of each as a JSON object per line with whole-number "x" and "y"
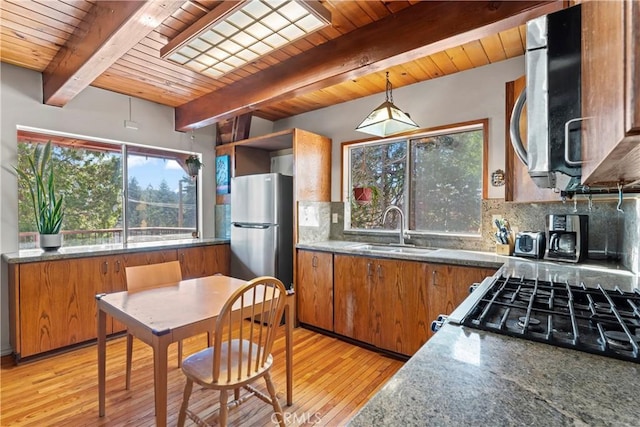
{"x": 417, "y": 31}
{"x": 110, "y": 30}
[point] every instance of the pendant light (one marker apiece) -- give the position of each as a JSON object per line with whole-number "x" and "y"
{"x": 387, "y": 119}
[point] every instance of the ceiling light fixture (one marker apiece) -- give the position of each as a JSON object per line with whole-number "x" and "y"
{"x": 235, "y": 33}
{"x": 387, "y": 119}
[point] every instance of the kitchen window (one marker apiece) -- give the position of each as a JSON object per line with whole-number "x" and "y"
{"x": 435, "y": 177}
{"x": 162, "y": 202}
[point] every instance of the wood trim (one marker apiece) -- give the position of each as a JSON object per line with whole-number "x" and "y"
{"x": 509, "y": 158}
{"x": 485, "y": 158}
{"x": 111, "y": 29}
{"x": 420, "y": 30}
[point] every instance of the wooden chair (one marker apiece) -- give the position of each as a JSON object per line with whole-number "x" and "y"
{"x": 142, "y": 277}
{"x": 241, "y": 356}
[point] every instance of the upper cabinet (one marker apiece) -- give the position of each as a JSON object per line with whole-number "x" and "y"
{"x": 610, "y": 92}
{"x": 311, "y": 161}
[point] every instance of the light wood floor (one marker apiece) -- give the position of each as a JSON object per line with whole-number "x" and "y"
{"x": 332, "y": 380}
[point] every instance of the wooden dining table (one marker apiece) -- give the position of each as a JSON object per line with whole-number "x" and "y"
{"x": 168, "y": 314}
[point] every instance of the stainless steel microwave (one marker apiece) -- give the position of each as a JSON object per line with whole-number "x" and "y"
{"x": 552, "y": 94}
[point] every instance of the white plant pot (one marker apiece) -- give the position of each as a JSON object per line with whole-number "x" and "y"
{"x": 50, "y": 242}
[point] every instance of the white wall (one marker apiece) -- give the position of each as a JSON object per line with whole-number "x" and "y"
{"x": 93, "y": 113}
{"x": 474, "y": 94}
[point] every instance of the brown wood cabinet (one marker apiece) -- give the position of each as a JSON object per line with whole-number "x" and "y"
{"x": 57, "y": 303}
{"x": 315, "y": 289}
{"x": 352, "y": 293}
{"x": 448, "y": 286}
{"x": 610, "y": 92}
{"x": 391, "y": 303}
{"x": 399, "y": 319}
{"x": 52, "y": 303}
{"x": 204, "y": 261}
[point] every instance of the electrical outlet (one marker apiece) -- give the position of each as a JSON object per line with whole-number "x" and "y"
{"x": 334, "y": 218}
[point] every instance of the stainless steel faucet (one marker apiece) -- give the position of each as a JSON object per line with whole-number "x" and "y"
{"x": 403, "y": 223}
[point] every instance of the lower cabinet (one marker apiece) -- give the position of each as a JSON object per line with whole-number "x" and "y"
{"x": 52, "y": 303}
{"x": 56, "y": 303}
{"x": 314, "y": 289}
{"x": 448, "y": 286}
{"x": 204, "y": 261}
{"x": 391, "y": 303}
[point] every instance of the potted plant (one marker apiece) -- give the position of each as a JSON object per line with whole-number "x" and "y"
{"x": 47, "y": 205}
{"x": 365, "y": 194}
{"x": 193, "y": 165}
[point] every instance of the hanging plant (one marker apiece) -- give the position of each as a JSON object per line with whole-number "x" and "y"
{"x": 366, "y": 194}
{"x": 193, "y": 165}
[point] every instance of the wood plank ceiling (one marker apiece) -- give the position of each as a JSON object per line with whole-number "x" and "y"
{"x": 413, "y": 40}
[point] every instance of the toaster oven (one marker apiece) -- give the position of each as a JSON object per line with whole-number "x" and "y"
{"x": 530, "y": 244}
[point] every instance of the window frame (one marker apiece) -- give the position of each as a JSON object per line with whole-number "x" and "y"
{"x": 124, "y": 149}
{"x": 345, "y": 175}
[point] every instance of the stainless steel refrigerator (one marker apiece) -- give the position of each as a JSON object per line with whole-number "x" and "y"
{"x": 262, "y": 227}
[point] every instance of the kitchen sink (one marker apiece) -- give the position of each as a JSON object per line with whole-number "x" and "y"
{"x": 391, "y": 248}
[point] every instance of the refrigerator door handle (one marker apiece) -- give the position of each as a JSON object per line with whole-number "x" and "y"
{"x": 258, "y": 226}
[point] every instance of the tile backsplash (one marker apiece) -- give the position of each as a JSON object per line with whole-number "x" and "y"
{"x": 612, "y": 234}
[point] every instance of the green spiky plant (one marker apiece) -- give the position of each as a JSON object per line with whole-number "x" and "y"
{"x": 47, "y": 207}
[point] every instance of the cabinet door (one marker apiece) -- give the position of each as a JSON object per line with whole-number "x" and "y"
{"x": 57, "y": 303}
{"x": 398, "y": 306}
{"x": 315, "y": 289}
{"x": 204, "y": 261}
{"x": 448, "y": 286}
{"x": 352, "y": 276}
{"x": 610, "y": 91}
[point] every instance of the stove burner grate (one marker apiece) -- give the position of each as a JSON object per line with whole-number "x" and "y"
{"x": 587, "y": 319}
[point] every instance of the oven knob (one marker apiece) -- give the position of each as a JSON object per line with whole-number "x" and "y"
{"x": 437, "y": 324}
{"x": 473, "y": 287}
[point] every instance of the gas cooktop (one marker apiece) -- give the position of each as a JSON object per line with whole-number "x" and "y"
{"x": 595, "y": 320}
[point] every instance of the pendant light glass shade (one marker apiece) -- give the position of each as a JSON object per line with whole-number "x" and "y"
{"x": 387, "y": 119}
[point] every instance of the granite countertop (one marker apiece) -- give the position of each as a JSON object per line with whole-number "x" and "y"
{"x": 591, "y": 273}
{"x": 464, "y": 377}
{"x": 69, "y": 252}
